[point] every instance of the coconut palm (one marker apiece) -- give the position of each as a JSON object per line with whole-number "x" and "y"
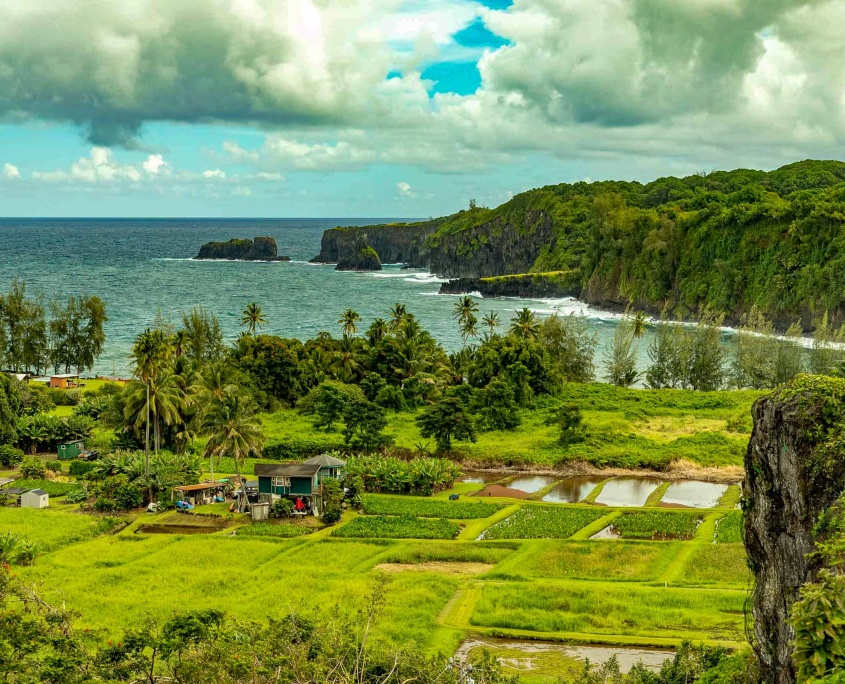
{"x": 348, "y": 322}
{"x": 160, "y": 396}
{"x": 491, "y": 321}
{"x": 639, "y": 324}
{"x": 525, "y": 325}
{"x": 464, "y": 312}
{"x": 151, "y": 355}
{"x": 397, "y": 314}
{"x": 233, "y": 430}
{"x": 253, "y": 318}
{"x": 377, "y": 331}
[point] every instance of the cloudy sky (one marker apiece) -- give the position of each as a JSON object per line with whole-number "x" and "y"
{"x": 398, "y": 107}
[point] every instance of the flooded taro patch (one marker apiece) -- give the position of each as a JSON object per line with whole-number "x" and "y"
{"x": 693, "y": 494}
{"x": 480, "y": 477}
{"x": 552, "y": 659}
{"x": 572, "y": 489}
{"x": 532, "y": 484}
{"x": 627, "y": 491}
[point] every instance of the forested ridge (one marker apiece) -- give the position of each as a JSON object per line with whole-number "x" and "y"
{"x": 723, "y": 241}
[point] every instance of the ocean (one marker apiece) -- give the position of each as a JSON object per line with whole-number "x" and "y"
{"x": 140, "y": 267}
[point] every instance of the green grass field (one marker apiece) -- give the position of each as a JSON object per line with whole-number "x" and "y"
{"x": 625, "y": 428}
{"x": 440, "y": 589}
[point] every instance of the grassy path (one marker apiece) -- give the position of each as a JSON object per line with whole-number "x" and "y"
{"x": 595, "y": 527}
{"x": 474, "y": 528}
{"x": 703, "y": 535}
{"x": 653, "y": 500}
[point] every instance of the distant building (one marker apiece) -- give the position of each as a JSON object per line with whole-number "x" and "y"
{"x": 330, "y": 467}
{"x": 64, "y": 381}
{"x": 70, "y": 450}
{"x": 202, "y": 493}
{"x": 298, "y": 480}
{"x": 35, "y": 498}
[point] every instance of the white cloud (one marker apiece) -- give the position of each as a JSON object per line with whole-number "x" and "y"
{"x": 98, "y": 167}
{"x": 214, "y": 173}
{"x": 404, "y": 189}
{"x": 10, "y": 171}
{"x": 242, "y": 191}
{"x": 154, "y": 164}
{"x": 270, "y": 177}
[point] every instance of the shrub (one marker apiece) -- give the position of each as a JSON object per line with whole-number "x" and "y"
{"x": 105, "y": 505}
{"x": 332, "y": 501}
{"x": 77, "y": 494}
{"x": 53, "y": 466}
{"x": 282, "y": 508}
{"x": 10, "y": 456}
{"x": 32, "y": 468}
{"x": 62, "y": 397}
{"x": 80, "y": 468}
{"x": 388, "y": 474}
{"x": 128, "y": 496}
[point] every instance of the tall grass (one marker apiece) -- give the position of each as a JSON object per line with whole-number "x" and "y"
{"x": 53, "y": 529}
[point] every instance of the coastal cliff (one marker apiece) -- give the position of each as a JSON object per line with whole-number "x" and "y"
{"x": 400, "y": 243}
{"x": 243, "y": 249}
{"x": 794, "y": 475}
{"x": 723, "y": 242}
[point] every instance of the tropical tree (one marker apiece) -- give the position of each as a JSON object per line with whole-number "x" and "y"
{"x": 348, "y": 322}
{"x": 151, "y": 355}
{"x": 446, "y": 420}
{"x": 377, "y": 331}
{"x": 233, "y": 430}
{"x": 491, "y": 322}
{"x": 397, "y": 314}
{"x": 464, "y": 312}
{"x": 525, "y": 324}
{"x": 252, "y": 318}
{"x": 620, "y": 359}
{"x": 161, "y": 397}
{"x": 638, "y": 322}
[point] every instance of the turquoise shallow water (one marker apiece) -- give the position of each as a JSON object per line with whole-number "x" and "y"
{"x": 140, "y": 267}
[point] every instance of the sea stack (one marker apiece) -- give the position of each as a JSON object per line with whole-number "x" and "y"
{"x": 242, "y": 249}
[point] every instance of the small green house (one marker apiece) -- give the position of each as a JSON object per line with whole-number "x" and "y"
{"x": 291, "y": 481}
{"x": 70, "y": 450}
{"x": 330, "y": 467}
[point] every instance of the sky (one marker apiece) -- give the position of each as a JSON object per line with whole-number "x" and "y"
{"x": 399, "y": 108}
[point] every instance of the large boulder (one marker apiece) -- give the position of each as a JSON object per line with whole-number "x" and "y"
{"x": 363, "y": 258}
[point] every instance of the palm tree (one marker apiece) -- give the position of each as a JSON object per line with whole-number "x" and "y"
{"x": 397, "y": 314}
{"x": 151, "y": 354}
{"x": 464, "y": 312}
{"x": 233, "y": 430}
{"x": 525, "y": 325}
{"x": 348, "y": 322}
{"x": 160, "y": 396}
{"x": 491, "y": 320}
{"x": 180, "y": 340}
{"x": 253, "y": 318}
{"x": 639, "y": 324}
{"x": 377, "y": 331}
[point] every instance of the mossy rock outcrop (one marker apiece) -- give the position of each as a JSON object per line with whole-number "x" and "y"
{"x": 242, "y": 249}
{"x": 527, "y": 285}
{"x": 795, "y": 473}
{"x": 365, "y": 258}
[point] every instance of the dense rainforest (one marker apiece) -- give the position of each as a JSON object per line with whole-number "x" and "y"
{"x": 723, "y": 241}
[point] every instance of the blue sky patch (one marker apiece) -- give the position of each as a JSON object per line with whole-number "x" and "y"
{"x": 461, "y": 78}
{"x": 477, "y": 35}
{"x": 496, "y": 4}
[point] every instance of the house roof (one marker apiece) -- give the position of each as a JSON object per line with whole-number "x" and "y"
{"x": 286, "y": 469}
{"x": 325, "y": 461}
{"x": 66, "y": 375}
{"x": 38, "y": 492}
{"x": 6, "y": 480}
{"x": 201, "y": 486}
{"x": 13, "y": 491}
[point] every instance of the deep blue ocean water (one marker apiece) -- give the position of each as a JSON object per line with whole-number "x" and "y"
{"x": 141, "y": 266}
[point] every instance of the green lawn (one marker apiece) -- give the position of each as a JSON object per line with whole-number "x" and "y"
{"x": 52, "y": 529}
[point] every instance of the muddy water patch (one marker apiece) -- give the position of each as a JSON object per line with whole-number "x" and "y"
{"x": 627, "y": 491}
{"x": 547, "y": 658}
{"x": 608, "y": 532}
{"x": 480, "y": 477}
{"x": 532, "y": 484}
{"x": 572, "y": 489}
{"x": 693, "y": 494}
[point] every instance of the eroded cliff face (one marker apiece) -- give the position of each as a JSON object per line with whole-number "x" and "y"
{"x": 394, "y": 244}
{"x": 793, "y": 474}
{"x": 545, "y": 285}
{"x": 495, "y": 248}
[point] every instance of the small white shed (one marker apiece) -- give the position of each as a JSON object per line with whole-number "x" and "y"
{"x": 35, "y": 498}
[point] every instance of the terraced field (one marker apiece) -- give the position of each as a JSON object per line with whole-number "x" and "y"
{"x": 457, "y": 569}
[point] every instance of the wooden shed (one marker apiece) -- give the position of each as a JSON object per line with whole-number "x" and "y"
{"x": 202, "y": 493}
{"x": 70, "y": 450}
{"x": 64, "y": 380}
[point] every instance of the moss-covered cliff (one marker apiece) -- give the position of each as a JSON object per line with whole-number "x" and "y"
{"x": 259, "y": 249}
{"x": 795, "y": 473}
{"x": 725, "y": 241}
